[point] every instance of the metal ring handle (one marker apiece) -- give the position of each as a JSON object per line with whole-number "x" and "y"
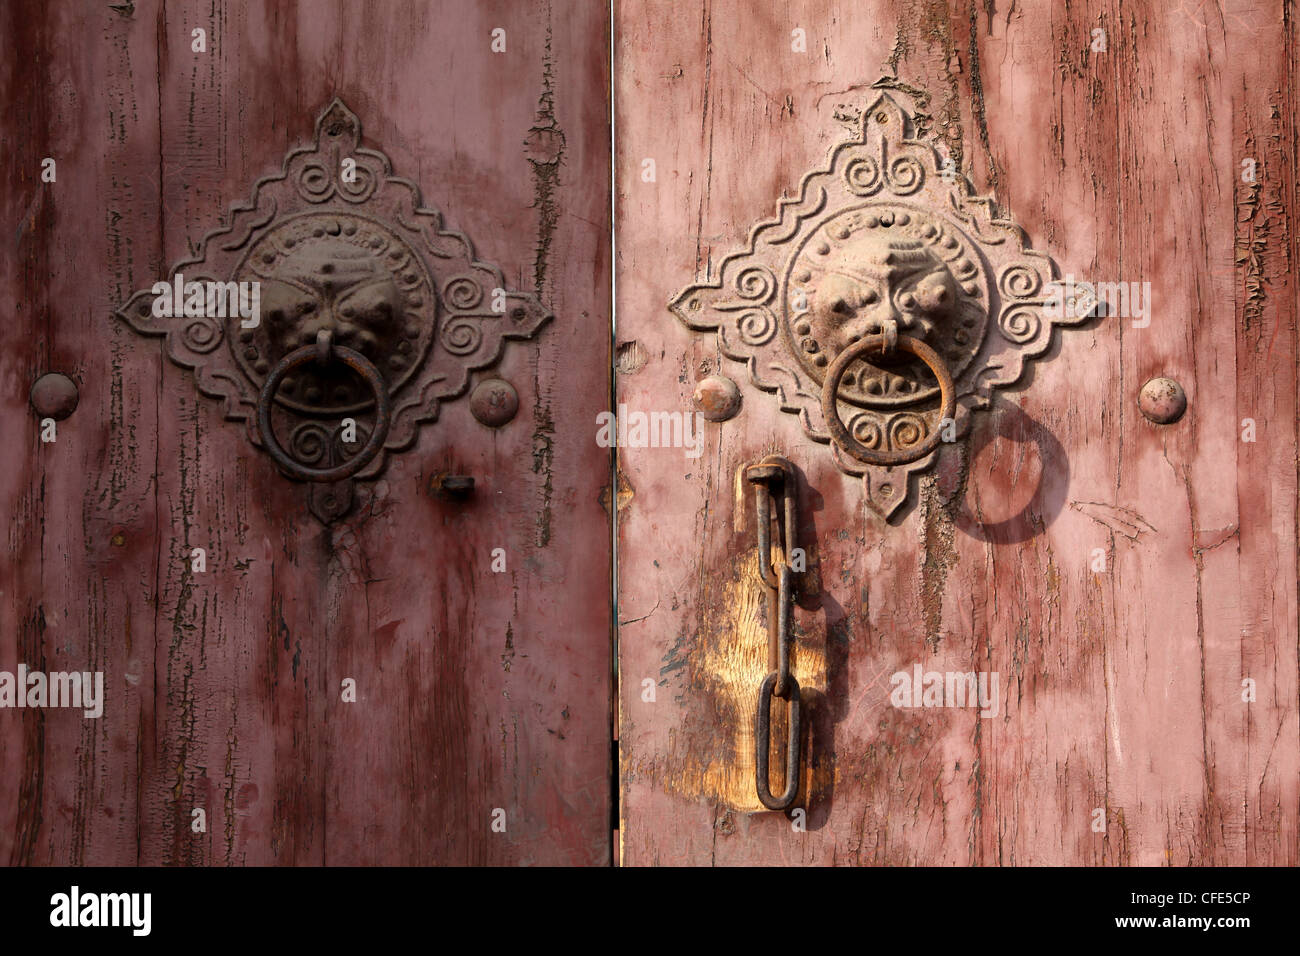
{"x": 383, "y": 412}
{"x": 831, "y": 387}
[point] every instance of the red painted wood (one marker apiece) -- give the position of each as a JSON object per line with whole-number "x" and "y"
{"x": 476, "y": 690}
{"x": 1121, "y": 690}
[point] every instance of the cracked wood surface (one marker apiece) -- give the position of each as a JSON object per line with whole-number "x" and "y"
{"x": 475, "y": 690}
{"x": 1121, "y": 691}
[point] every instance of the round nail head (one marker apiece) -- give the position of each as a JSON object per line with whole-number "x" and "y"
{"x": 1162, "y": 401}
{"x": 494, "y": 402}
{"x": 717, "y": 398}
{"x": 54, "y": 396}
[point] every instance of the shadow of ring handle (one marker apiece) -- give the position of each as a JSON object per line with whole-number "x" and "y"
{"x": 383, "y": 413}
{"x": 840, "y": 432}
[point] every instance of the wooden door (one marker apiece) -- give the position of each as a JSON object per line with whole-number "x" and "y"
{"x": 1132, "y": 584}
{"x": 424, "y": 679}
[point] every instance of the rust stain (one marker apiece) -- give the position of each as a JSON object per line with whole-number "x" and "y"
{"x": 625, "y": 493}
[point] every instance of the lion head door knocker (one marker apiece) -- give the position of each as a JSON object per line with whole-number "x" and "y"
{"x": 365, "y": 313}
{"x": 884, "y": 304}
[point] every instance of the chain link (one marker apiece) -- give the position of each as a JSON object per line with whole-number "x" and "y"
{"x": 768, "y": 476}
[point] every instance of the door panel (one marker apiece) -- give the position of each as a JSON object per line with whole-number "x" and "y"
{"x": 1129, "y": 583}
{"x": 477, "y": 689}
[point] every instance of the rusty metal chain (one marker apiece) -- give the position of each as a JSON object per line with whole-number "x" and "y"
{"x": 770, "y": 476}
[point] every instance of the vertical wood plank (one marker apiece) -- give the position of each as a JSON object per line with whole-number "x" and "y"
{"x": 78, "y": 568}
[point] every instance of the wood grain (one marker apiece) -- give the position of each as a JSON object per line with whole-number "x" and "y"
{"x": 476, "y": 690}
{"x": 1121, "y": 690}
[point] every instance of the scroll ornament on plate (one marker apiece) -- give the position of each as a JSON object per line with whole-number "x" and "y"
{"x": 885, "y": 254}
{"x": 340, "y": 256}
